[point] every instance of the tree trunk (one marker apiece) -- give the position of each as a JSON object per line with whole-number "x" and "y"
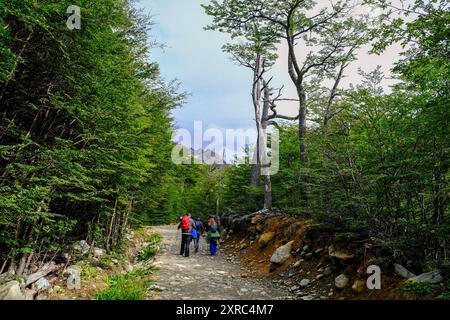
{"x": 302, "y": 124}
{"x": 256, "y": 95}
{"x": 265, "y": 165}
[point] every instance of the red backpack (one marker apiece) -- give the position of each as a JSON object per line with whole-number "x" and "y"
{"x": 185, "y": 223}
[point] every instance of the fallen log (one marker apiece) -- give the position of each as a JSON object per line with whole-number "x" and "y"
{"x": 45, "y": 270}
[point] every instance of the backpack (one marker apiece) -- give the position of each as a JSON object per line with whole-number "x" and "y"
{"x": 185, "y": 223}
{"x": 198, "y": 226}
{"x": 213, "y": 228}
{"x": 194, "y": 233}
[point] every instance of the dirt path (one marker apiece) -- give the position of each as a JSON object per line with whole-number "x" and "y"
{"x": 203, "y": 277}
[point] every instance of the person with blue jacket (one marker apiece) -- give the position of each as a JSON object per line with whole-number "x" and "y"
{"x": 198, "y": 233}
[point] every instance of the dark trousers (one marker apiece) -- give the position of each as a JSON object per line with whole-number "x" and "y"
{"x": 185, "y": 241}
{"x": 197, "y": 242}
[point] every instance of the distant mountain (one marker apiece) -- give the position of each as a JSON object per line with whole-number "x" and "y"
{"x": 209, "y": 157}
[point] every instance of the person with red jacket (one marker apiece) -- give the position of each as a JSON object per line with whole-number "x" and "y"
{"x": 186, "y": 225}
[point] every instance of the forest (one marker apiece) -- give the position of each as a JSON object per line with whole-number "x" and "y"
{"x": 86, "y": 125}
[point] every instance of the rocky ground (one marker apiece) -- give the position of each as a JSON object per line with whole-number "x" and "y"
{"x": 203, "y": 277}
{"x": 263, "y": 256}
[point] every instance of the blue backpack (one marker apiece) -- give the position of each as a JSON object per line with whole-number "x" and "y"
{"x": 194, "y": 233}
{"x": 213, "y": 228}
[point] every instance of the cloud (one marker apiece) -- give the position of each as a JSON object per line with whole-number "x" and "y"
{"x": 220, "y": 90}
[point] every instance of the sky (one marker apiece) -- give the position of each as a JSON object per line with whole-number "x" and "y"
{"x": 219, "y": 90}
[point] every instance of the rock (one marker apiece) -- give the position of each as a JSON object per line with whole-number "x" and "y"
{"x": 429, "y": 277}
{"x": 297, "y": 264}
{"x": 244, "y": 290}
{"x": 309, "y": 297}
{"x": 155, "y": 287}
{"x": 403, "y": 272}
{"x": 339, "y": 254}
{"x": 115, "y": 261}
{"x": 306, "y": 248}
{"x": 304, "y": 283}
{"x": 319, "y": 276}
{"x": 265, "y": 238}
{"x": 318, "y": 251}
{"x": 294, "y": 288}
{"x": 98, "y": 252}
{"x": 282, "y": 254}
{"x": 11, "y": 291}
{"x": 243, "y": 246}
{"x": 81, "y": 246}
{"x": 359, "y": 286}
{"x": 341, "y": 281}
{"x": 73, "y": 277}
{"x": 42, "y": 296}
{"x": 327, "y": 271}
{"x": 30, "y": 294}
{"x": 42, "y": 283}
{"x": 308, "y": 256}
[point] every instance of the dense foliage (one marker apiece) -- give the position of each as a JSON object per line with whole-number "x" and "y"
{"x": 380, "y": 164}
{"x": 85, "y": 127}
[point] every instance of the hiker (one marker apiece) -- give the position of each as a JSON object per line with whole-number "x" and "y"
{"x": 199, "y": 228}
{"x": 186, "y": 225}
{"x": 213, "y": 236}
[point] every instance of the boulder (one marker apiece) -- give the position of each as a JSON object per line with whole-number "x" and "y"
{"x": 30, "y": 294}
{"x": 341, "y": 281}
{"x": 339, "y": 254}
{"x": 42, "y": 296}
{"x": 73, "y": 277}
{"x": 429, "y": 277}
{"x": 11, "y": 291}
{"x": 42, "y": 284}
{"x": 282, "y": 253}
{"x": 359, "y": 286}
{"x": 304, "y": 283}
{"x": 81, "y": 246}
{"x": 98, "y": 252}
{"x": 265, "y": 239}
{"x": 403, "y": 272}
